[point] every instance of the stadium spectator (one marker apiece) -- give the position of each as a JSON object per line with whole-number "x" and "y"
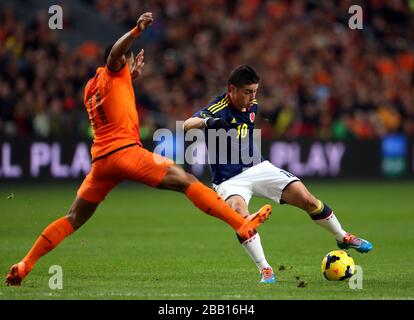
{"x": 320, "y": 78}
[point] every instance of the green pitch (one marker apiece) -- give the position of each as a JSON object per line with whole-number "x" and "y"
{"x": 150, "y": 244}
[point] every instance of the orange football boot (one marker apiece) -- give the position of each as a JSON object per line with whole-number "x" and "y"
{"x": 252, "y": 222}
{"x": 16, "y": 274}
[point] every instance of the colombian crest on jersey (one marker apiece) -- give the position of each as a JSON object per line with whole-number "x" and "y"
{"x": 252, "y": 117}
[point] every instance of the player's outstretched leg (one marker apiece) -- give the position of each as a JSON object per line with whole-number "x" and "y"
{"x": 54, "y": 234}
{"x": 297, "y": 195}
{"x": 208, "y": 201}
{"x": 255, "y": 251}
{"x": 253, "y": 244}
{"x": 50, "y": 238}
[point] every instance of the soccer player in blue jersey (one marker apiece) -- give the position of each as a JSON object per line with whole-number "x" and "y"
{"x": 237, "y": 181}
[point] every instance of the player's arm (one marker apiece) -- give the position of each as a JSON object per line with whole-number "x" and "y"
{"x": 116, "y": 58}
{"x": 206, "y": 119}
{"x": 194, "y": 123}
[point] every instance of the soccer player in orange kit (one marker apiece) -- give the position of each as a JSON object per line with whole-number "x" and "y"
{"x": 117, "y": 154}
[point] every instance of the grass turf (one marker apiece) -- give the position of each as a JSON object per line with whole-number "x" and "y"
{"x": 150, "y": 244}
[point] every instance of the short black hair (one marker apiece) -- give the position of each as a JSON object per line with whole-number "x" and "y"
{"x": 243, "y": 75}
{"x": 108, "y": 51}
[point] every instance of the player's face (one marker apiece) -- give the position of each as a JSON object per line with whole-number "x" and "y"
{"x": 243, "y": 97}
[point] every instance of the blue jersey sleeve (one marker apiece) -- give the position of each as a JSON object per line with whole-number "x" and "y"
{"x": 203, "y": 113}
{"x": 213, "y": 108}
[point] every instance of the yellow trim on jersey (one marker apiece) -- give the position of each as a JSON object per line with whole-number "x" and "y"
{"x": 217, "y": 105}
{"x": 221, "y": 108}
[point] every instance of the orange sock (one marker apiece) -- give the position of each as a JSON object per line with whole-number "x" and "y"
{"x": 208, "y": 201}
{"x": 50, "y": 238}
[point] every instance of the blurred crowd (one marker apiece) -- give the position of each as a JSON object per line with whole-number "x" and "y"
{"x": 41, "y": 80}
{"x": 319, "y": 78}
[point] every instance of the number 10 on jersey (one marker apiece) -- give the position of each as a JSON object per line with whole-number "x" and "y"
{"x": 242, "y": 130}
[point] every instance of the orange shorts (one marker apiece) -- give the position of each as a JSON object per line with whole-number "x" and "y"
{"x": 132, "y": 163}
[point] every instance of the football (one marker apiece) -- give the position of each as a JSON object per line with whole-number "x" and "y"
{"x": 338, "y": 265}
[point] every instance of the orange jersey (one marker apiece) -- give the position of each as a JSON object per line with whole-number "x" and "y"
{"x": 110, "y": 102}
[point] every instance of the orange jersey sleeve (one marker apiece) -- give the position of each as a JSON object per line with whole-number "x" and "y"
{"x": 110, "y": 102}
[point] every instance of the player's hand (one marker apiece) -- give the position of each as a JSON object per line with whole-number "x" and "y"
{"x": 138, "y": 65}
{"x": 217, "y": 123}
{"x": 144, "y": 21}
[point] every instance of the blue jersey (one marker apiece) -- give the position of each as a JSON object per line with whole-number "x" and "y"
{"x": 242, "y": 144}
